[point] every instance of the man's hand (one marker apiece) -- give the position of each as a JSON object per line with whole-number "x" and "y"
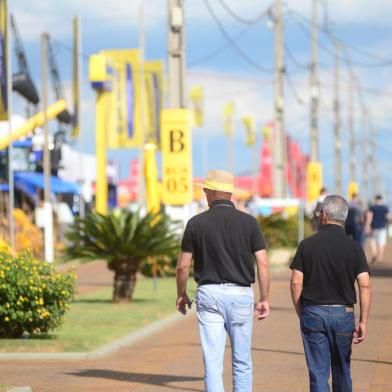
{"x": 359, "y": 333}
{"x": 182, "y": 302}
{"x": 262, "y": 310}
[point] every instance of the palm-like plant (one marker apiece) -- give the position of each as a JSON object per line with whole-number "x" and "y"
{"x": 124, "y": 239}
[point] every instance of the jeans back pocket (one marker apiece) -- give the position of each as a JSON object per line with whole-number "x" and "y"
{"x": 242, "y": 309}
{"x": 311, "y": 324}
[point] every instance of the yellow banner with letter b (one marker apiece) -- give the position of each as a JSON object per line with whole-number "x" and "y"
{"x": 176, "y": 147}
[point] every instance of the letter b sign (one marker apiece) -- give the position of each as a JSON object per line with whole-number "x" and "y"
{"x": 176, "y": 140}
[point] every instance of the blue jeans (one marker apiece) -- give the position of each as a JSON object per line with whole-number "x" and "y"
{"x": 327, "y": 333}
{"x": 226, "y": 309}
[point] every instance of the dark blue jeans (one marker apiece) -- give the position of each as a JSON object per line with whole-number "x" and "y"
{"x": 327, "y": 333}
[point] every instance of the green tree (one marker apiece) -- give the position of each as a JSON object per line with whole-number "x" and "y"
{"x": 124, "y": 239}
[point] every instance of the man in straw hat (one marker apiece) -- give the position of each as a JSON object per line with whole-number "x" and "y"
{"x": 222, "y": 241}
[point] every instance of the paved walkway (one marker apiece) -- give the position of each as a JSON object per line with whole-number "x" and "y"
{"x": 171, "y": 359}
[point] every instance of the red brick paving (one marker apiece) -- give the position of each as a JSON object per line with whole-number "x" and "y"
{"x": 170, "y": 360}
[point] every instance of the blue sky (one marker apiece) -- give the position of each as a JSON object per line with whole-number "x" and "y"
{"x": 363, "y": 24}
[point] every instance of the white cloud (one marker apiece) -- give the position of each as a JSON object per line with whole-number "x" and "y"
{"x": 36, "y": 16}
{"x": 46, "y": 15}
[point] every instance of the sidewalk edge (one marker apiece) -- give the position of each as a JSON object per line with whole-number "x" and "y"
{"x": 102, "y": 351}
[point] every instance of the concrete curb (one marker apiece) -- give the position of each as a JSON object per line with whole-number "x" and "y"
{"x": 20, "y": 389}
{"x": 101, "y": 352}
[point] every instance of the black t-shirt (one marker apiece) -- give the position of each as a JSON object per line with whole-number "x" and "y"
{"x": 222, "y": 241}
{"x": 330, "y": 262}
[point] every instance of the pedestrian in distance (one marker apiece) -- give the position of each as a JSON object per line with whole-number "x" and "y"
{"x": 316, "y": 208}
{"x": 324, "y": 270}
{"x": 376, "y": 227}
{"x": 355, "y": 219}
{"x": 223, "y": 243}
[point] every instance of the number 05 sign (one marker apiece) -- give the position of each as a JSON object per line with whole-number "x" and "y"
{"x": 176, "y": 143}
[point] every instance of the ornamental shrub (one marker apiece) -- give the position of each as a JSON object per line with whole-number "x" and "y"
{"x": 281, "y": 231}
{"x": 33, "y": 296}
{"x": 159, "y": 266}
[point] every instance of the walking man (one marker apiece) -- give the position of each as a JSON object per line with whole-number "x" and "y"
{"x": 355, "y": 219}
{"x": 223, "y": 242}
{"x": 325, "y": 268}
{"x": 376, "y": 226}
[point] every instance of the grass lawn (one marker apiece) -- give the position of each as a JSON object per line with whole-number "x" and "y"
{"x": 93, "y": 320}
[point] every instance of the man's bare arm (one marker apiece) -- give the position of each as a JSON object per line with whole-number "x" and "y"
{"x": 368, "y": 221}
{"x": 263, "y": 279}
{"x": 182, "y": 274}
{"x": 365, "y": 298}
{"x": 296, "y": 286}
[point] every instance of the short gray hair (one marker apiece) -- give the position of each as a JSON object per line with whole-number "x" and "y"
{"x": 336, "y": 208}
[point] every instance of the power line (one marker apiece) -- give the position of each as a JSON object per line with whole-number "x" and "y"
{"x": 384, "y": 61}
{"x": 293, "y": 58}
{"x": 219, "y": 50}
{"x": 62, "y": 45}
{"x": 290, "y": 83}
{"x": 363, "y": 52}
{"x": 233, "y": 43}
{"x": 240, "y": 19}
{"x": 231, "y": 76}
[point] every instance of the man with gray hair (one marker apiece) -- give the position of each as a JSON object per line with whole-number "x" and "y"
{"x": 325, "y": 268}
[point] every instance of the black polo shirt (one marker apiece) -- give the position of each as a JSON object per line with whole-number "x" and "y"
{"x": 222, "y": 241}
{"x": 330, "y": 262}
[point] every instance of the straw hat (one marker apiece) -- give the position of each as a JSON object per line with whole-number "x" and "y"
{"x": 218, "y": 180}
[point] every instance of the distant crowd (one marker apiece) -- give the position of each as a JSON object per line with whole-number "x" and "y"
{"x": 367, "y": 225}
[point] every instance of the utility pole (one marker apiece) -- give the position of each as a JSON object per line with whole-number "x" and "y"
{"x": 353, "y": 161}
{"x": 364, "y": 142}
{"x": 48, "y": 221}
{"x": 176, "y": 54}
{"x": 372, "y": 159}
{"x": 279, "y": 156}
{"x": 337, "y": 128}
{"x": 314, "y": 89}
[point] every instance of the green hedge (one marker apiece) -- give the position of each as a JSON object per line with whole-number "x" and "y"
{"x": 280, "y": 231}
{"x": 33, "y": 296}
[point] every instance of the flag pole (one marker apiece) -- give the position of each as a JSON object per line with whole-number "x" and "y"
{"x": 11, "y": 191}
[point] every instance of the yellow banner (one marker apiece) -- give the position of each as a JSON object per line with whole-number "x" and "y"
{"x": 176, "y": 146}
{"x": 314, "y": 180}
{"x": 197, "y": 99}
{"x": 352, "y": 189}
{"x": 249, "y": 124}
{"x": 75, "y": 79}
{"x": 151, "y": 178}
{"x": 3, "y": 60}
{"x": 124, "y": 125}
{"x": 153, "y": 78}
{"x": 228, "y": 118}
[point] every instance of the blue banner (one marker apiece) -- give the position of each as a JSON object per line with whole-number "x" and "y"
{"x": 130, "y": 100}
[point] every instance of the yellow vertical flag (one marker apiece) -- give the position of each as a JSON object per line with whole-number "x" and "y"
{"x": 176, "y": 147}
{"x": 75, "y": 79}
{"x": 153, "y": 79}
{"x": 125, "y": 125}
{"x": 197, "y": 100}
{"x": 314, "y": 180}
{"x": 228, "y": 118}
{"x": 353, "y": 188}
{"x": 151, "y": 178}
{"x": 249, "y": 124}
{"x": 3, "y": 60}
